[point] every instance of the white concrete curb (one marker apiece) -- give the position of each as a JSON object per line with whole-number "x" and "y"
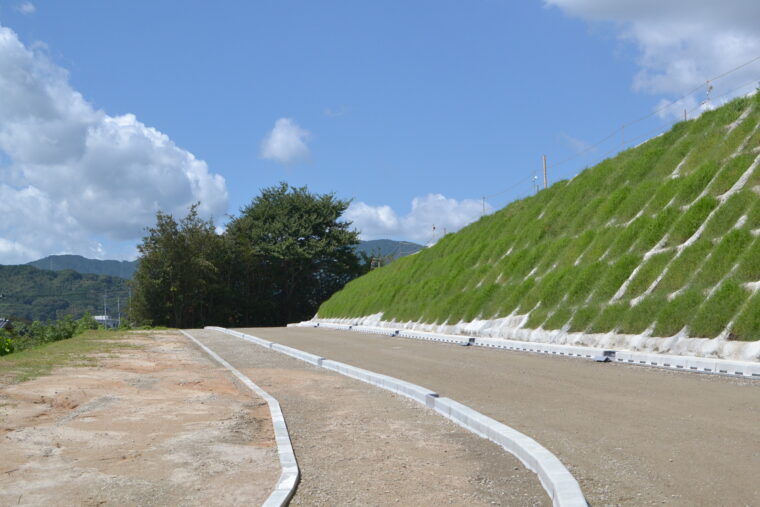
{"x": 732, "y": 368}
{"x": 286, "y": 484}
{"x": 556, "y": 479}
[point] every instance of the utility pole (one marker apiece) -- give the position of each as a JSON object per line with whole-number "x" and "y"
{"x": 622, "y": 137}
{"x": 546, "y": 180}
{"x": 484, "y": 207}
{"x": 684, "y": 115}
{"x": 118, "y": 308}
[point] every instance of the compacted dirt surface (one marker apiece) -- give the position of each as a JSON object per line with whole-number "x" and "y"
{"x": 360, "y": 445}
{"x": 157, "y": 423}
{"x": 630, "y": 435}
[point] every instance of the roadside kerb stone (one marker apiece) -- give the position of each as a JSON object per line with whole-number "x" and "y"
{"x": 555, "y": 478}
{"x": 286, "y": 484}
{"x": 679, "y": 363}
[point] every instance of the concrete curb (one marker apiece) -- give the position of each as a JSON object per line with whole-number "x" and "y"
{"x": 692, "y": 364}
{"x": 286, "y": 484}
{"x": 555, "y": 478}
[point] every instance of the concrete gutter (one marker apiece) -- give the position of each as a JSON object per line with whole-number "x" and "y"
{"x": 286, "y": 484}
{"x": 555, "y": 478}
{"x": 692, "y": 364}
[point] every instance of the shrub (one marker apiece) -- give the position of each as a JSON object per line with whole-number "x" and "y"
{"x": 6, "y": 344}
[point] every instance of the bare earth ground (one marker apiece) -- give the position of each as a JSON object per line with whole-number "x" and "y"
{"x": 630, "y": 435}
{"x": 154, "y": 424}
{"x": 359, "y": 445}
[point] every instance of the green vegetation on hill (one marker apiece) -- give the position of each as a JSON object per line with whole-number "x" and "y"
{"x": 662, "y": 237}
{"x": 122, "y": 269}
{"x": 387, "y": 248}
{"x": 31, "y": 294}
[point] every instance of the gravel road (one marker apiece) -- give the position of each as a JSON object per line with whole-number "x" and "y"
{"x": 360, "y": 445}
{"x": 630, "y": 435}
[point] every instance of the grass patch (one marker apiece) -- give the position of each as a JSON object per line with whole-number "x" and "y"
{"x": 682, "y": 269}
{"x": 691, "y": 220}
{"x": 609, "y": 318}
{"x": 677, "y": 313}
{"x": 76, "y": 351}
{"x": 713, "y": 316}
{"x": 648, "y": 273}
{"x": 640, "y": 317}
{"x": 728, "y": 215}
{"x": 583, "y": 318}
{"x": 749, "y": 267}
{"x": 559, "y": 318}
{"x": 747, "y": 325}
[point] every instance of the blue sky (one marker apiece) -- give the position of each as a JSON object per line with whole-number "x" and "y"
{"x": 415, "y": 110}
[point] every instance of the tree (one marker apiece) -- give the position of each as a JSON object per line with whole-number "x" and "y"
{"x": 177, "y": 279}
{"x": 293, "y": 252}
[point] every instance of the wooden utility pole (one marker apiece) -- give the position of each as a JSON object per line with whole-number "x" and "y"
{"x": 546, "y": 180}
{"x": 684, "y": 115}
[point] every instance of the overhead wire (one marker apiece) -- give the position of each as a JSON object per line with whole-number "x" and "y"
{"x": 654, "y": 112}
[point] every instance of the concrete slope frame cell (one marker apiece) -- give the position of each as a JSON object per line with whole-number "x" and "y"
{"x": 286, "y": 484}
{"x": 679, "y": 363}
{"x": 555, "y": 478}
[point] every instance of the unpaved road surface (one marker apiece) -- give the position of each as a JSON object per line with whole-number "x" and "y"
{"x": 158, "y": 424}
{"x": 360, "y": 445}
{"x": 630, "y": 435}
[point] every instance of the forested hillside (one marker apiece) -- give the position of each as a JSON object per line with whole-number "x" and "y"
{"x": 33, "y": 294}
{"x": 122, "y": 269}
{"x": 660, "y": 240}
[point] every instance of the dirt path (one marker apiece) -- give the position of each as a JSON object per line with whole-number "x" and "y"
{"x": 360, "y": 445}
{"x": 157, "y": 424}
{"x": 630, "y": 435}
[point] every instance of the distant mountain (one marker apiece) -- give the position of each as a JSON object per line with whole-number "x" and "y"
{"x": 122, "y": 269}
{"x": 39, "y": 294}
{"x": 388, "y": 248}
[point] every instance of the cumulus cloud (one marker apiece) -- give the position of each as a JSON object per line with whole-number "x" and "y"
{"x": 378, "y": 222}
{"x": 286, "y": 143}
{"x": 26, "y": 8}
{"x": 682, "y": 43}
{"x": 70, "y": 173}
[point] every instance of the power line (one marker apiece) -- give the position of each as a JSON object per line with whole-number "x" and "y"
{"x": 620, "y": 129}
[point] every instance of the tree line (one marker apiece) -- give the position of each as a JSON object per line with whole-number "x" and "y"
{"x": 275, "y": 263}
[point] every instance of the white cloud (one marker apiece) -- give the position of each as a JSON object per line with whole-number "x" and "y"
{"x": 286, "y": 143}
{"x": 26, "y": 8}
{"x": 71, "y": 175}
{"x": 378, "y": 222}
{"x": 682, "y": 43}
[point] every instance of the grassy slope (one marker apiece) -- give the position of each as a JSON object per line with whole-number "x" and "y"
{"x": 648, "y": 240}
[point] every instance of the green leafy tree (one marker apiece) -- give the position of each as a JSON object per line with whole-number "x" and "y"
{"x": 177, "y": 278}
{"x": 292, "y": 253}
